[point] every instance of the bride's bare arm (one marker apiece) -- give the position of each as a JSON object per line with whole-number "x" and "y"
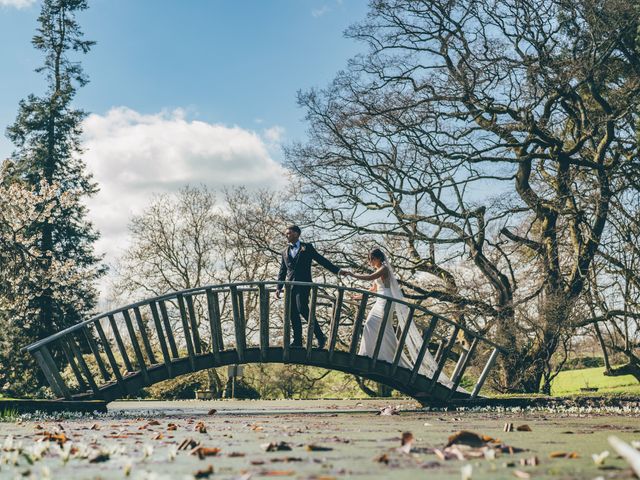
{"x": 382, "y": 271}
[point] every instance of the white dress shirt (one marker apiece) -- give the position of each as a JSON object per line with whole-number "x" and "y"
{"x": 293, "y": 249}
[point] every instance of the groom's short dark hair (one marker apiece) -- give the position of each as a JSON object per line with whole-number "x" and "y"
{"x": 294, "y": 228}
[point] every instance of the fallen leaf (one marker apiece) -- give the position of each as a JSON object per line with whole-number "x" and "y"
{"x": 384, "y": 458}
{"x": 524, "y": 428}
{"x": 95, "y": 426}
{"x": 206, "y": 473}
{"x": 471, "y": 439}
{"x": 521, "y": 474}
{"x": 212, "y": 411}
{"x": 276, "y": 473}
{"x": 276, "y": 446}
{"x": 203, "y": 452}
{"x": 99, "y": 457}
{"x": 564, "y": 455}
{"x": 172, "y": 426}
{"x": 317, "y": 448}
{"x": 201, "y": 427}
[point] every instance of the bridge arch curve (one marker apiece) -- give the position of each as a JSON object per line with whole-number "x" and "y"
{"x": 117, "y": 353}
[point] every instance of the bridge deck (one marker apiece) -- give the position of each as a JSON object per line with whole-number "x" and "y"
{"x": 117, "y": 353}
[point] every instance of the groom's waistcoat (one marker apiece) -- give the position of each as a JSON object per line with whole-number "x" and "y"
{"x": 298, "y": 267}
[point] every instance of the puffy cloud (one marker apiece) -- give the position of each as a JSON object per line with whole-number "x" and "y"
{"x": 134, "y": 155}
{"x": 17, "y": 3}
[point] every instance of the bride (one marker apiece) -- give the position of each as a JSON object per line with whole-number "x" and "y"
{"x": 385, "y": 283}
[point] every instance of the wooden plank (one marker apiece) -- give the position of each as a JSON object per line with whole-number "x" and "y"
{"x": 49, "y": 375}
{"x": 51, "y": 365}
{"x": 286, "y": 326}
{"x": 485, "y": 373}
{"x": 441, "y": 345}
{"x": 96, "y": 353}
{"x": 163, "y": 343}
{"x": 83, "y": 365}
{"x": 264, "y": 321}
{"x": 335, "y": 323}
{"x": 187, "y": 334}
{"x": 312, "y": 319}
{"x": 401, "y": 342}
{"x": 462, "y": 366}
{"x": 112, "y": 359}
{"x": 238, "y": 323}
{"x": 136, "y": 346}
{"x": 381, "y": 330}
{"x": 168, "y": 330}
{"x": 215, "y": 323}
{"x": 443, "y": 358}
{"x": 72, "y": 363}
{"x": 120, "y": 344}
{"x": 145, "y": 337}
{"x": 426, "y": 337}
{"x": 197, "y": 344}
{"x": 357, "y": 328}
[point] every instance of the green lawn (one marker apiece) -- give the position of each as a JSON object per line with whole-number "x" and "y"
{"x": 570, "y": 382}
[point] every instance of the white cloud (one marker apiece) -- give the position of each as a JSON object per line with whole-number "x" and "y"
{"x": 318, "y": 12}
{"x": 17, "y": 3}
{"x": 274, "y": 134}
{"x": 133, "y": 155}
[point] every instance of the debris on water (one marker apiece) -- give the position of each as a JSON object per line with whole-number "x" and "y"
{"x": 276, "y": 447}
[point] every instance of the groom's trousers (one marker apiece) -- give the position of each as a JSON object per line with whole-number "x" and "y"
{"x": 300, "y": 307}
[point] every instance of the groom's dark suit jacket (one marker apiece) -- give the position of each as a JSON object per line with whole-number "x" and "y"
{"x": 298, "y": 268}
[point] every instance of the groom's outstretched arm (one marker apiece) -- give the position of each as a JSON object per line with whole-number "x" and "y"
{"x": 320, "y": 260}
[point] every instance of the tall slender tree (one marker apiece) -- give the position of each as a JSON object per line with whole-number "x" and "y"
{"x": 58, "y": 288}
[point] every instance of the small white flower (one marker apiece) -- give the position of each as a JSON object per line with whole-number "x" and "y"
{"x": 466, "y": 472}
{"x": 598, "y": 458}
{"x": 172, "y": 453}
{"x": 127, "y": 468}
{"x": 147, "y": 451}
{"x": 45, "y": 472}
{"x": 489, "y": 454}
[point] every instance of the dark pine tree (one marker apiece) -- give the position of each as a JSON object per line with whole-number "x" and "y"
{"x": 57, "y": 290}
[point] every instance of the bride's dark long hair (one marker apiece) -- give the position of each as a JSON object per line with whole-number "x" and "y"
{"x": 378, "y": 254}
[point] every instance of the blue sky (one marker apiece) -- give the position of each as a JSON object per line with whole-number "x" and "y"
{"x": 190, "y": 91}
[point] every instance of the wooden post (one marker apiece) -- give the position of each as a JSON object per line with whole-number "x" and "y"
{"x": 357, "y": 328}
{"x": 194, "y": 324}
{"x": 83, "y": 365}
{"x": 426, "y": 337}
{"x": 443, "y": 358}
{"x": 381, "y": 331}
{"x": 238, "y": 323}
{"x": 120, "y": 343}
{"x": 485, "y": 373}
{"x": 264, "y": 321}
{"x": 312, "y": 320}
{"x": 185, "y": 328}
{"x": 163, "y": 344}
{"x": 136, "y": 346}
{"x": 145, "y": 337}
{"x": 51, "y": 373}
{"x": 401, "y": 342}
{"x": 96, "y": 353}
{"x": 168, "y": 330}
{"x": 335, "y": 323}
{"x": 112, "y": 359}
{"x": 462, "y": 366}
{"x": 286, "y": 327}
{"x": 55, "y": 372}
{"x": 213, "y": 308}
{"x": 72, "y": 363}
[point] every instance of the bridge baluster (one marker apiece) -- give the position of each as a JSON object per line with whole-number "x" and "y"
{"x": 48, "y": 366}
{"x": 136, "y": 346}
{"x": 187, "y": 335}
{"x": 72, "y": 363}
{"x": 120, "y": 343}
{"x": 112, "y": 360}
{"x": 401, "y": 342}
{"x": 78, "y": 354}
{"x": 313, "y": 305}
{"x": 381, "y": 331}
{"x": 238, "y": 322}
{"x": 426, "y": 337}
{"x": 357, "y": 328}
{"x": 168, "y": 330}
{"x": 194, "y": 324}
{"x": 463, "y": 362}
{"x": 485, "y": 373}
{"x": 145, "y": 337}
{"x": 214, "y": 322}
{"x": 443, "y": 359}
{"x": 264, "y": 322}
{"x": 335, "y": 323}
{"x": 161, "y": 339}
{"x": 286, "y": 327}
{"x": 96, "y": 353}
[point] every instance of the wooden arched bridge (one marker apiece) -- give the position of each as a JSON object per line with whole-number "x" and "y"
{"x": 115, "y": 354}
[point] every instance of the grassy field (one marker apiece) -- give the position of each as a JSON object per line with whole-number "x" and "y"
{"x": 571, "y": 381}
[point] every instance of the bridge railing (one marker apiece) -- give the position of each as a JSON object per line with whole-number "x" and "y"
{"x": 107, "y": 350}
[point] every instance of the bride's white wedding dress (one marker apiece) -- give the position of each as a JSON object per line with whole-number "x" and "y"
{"x": 413, "y": 341}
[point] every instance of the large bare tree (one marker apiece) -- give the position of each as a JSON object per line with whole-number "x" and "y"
{"x": 479, "y": 140}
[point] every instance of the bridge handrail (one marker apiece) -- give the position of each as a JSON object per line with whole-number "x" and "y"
{"x": 191, "y": 291}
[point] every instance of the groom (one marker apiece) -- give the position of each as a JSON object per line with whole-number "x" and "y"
{"x": 296, "y": 266}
